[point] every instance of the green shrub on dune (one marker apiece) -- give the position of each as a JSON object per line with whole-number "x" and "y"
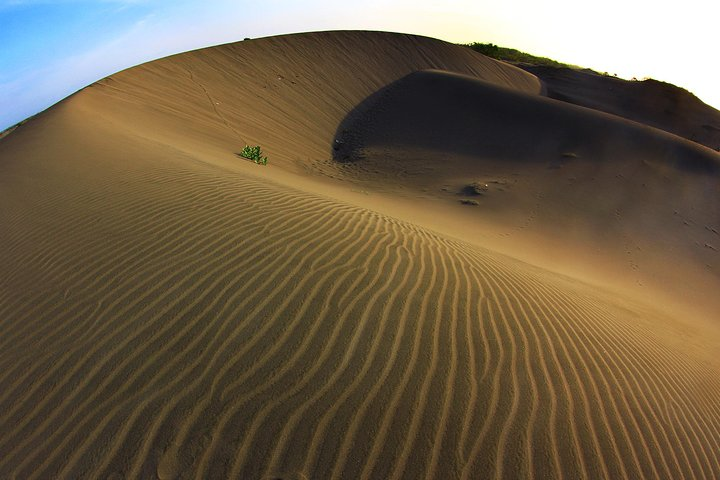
{"x": 254, "y": 154}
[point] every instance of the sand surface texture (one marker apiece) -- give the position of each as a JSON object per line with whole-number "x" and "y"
{"x": 648, "y": 101}
{"x": 170, "y": 310}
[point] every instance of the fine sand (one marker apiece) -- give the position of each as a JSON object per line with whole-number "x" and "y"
{"x": 649, "y": 101}
{"x": 171, "y": 310}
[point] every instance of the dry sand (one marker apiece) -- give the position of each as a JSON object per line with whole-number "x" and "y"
{"x": 169, "y": 310}
{"x": 649, "y": 101}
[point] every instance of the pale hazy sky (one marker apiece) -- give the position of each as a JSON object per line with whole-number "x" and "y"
{"x": 51, "y": 48}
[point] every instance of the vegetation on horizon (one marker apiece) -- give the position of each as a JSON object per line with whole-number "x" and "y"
{"x": 515, "y": 56}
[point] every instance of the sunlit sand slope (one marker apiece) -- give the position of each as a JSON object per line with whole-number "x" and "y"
{"x": 195, "y": 321}
{"x": 170, "y": 311}
{"x": 161, "y": 316}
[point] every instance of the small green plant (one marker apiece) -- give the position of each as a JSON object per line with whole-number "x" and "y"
{"x": 254, "y": 154}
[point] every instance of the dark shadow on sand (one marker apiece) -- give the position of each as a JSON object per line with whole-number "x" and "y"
{"x": 453, "y": 114}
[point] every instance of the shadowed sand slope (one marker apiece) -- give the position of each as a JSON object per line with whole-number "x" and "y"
{"x": 543, "y": 166}
{"x": 169, "y": 311}
{"x": 654, "y": 103}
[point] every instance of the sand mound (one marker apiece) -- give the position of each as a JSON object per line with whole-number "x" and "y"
{"x": 171, "y": 311}
{"x": 462, "y": 116}
{"x": 658, "y": 104}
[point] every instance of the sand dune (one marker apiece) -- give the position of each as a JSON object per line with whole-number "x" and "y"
{"x": 544, "y": 167}
{"x": 172, "y": 311}
{"x": 280, "y": 90}
{"x": 658, "y": 104}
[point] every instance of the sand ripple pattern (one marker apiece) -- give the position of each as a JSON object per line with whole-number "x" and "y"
{"x": 207, "y": 325}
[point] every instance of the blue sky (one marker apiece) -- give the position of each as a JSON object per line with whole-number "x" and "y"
{"x": 53, "y": 48}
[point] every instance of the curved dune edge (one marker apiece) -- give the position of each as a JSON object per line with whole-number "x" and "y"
{"x": 288, "y": 93}
{"x": 166, "y": 312}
